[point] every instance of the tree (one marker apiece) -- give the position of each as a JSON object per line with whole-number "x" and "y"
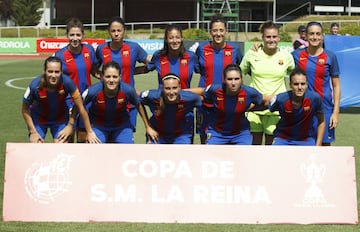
{"x": 5, "y": 9}
{"x": 26, "y": 12}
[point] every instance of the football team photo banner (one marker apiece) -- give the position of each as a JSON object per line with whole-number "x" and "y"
{"x": 179, "y": 183}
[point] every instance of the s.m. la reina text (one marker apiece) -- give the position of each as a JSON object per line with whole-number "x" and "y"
{"x": 198, "y": 194}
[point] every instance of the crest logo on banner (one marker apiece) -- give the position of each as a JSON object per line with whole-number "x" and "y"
{"x": 46, "y": 181}
{"x": 313, "y": 172}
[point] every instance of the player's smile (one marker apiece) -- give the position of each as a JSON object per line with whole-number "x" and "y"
{"x": 111, "y": 79}
{"x": 315, "y": 35}
{"x": 75, "y": 36}
{"x": 271, "y": 38}
{"x": 171, "y": 88}
{"x": 174, "y": 39}
{"x": 218, "y": 32}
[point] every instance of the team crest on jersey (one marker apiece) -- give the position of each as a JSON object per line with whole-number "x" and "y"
{"x": 184, "y": 62}
{"x": 321, "y": 61}
{"x": 125, "y": 53}
{"x": 121, "y": 100}
{"x": 180, "y": 106}
{"x": 228, "y": 53}
{"x": 307, "y": 108}
{"x": 241, "y": 100}
{"x": 86, "y": 55}
{"x": 281, "y": 62}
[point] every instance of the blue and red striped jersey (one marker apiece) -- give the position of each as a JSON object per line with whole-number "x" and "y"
{"x": 227, "y": 115}
{"x": 213, "y": 61}
{"x": 183, "y": 67}
{"x": 109, "y": 112}
{"x": 126, "y": 57}
{"x": 319, "y": 71}
{"x": 78, "y": 66}
{"x": 176, "y": 119}
{"x": 49, "y": 107}
{"x": 296, "y": 123}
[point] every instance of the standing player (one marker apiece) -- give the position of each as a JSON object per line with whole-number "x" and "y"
{"x": 125, "y": 53}
{"x": 44, "y": 105}
{"x": 298, "y": 108}
{"x": 79, "y": 63}
{"x": 322, "y": 71}
{"x": 213, "y": 57}
{"x": 107, "y": 103}
{"x": 174, "y": 58}
{"x": 172, "y": 112}
{"x": 268, "y": 67}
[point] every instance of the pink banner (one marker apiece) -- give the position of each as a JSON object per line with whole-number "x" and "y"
{"x": 180, "y": 183}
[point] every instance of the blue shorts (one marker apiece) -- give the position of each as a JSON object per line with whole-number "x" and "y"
{"x": 79, "y": 123}
{"x": 55, "y": 128}
{"x": 181, "y": 139}
{"x": 133, "y": 116}
{"x": 283, "y": 142}
{"x": 202, "y": 119}
{"x": 123, "y": 134}
{"x": 329, "y": 134}
{"x": 243, "y": 138}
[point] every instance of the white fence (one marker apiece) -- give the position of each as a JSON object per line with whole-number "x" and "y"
{"x": 243, "y": 26}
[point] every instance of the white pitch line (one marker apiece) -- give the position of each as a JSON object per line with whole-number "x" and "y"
{"x": 9, "y": 82}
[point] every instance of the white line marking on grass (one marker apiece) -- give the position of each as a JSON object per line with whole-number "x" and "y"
{"x": 9, "y": 82}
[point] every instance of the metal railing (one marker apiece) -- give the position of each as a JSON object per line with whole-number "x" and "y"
{"x": 59, "y": 30}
